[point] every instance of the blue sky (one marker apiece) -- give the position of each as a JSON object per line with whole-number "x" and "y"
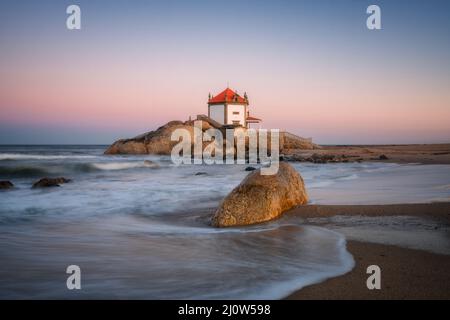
{"x": 310, "y": 67}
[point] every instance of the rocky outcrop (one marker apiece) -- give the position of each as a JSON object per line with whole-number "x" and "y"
{"x": 127, "y": 146}
{"x": 159, "y": 142}
{"x": 154, "y": 142}
{"x": 289, "y": 141}
{"x": 321, "y": 158}
{"x": 50, "y": 182}
{"x": 6, "y": 185}
{"x": 261, "y": 198}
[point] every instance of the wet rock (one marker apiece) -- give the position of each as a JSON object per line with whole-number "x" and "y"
{"x": 50, "y": 182}
{"x": 318, "y": 158}
{"x": 261, "y": 198}
{"x": 4, "y": 185}
{"x": 150, "y": 164}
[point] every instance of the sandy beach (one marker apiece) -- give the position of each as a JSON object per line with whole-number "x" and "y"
{"x": 411, "y": 153}
{"x": 405, "y": 273}
{"x": 437, "y": 210}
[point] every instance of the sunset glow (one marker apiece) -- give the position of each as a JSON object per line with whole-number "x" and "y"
{"x": 313, "y": 69}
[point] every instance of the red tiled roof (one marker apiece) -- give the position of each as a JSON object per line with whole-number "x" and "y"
{"x": 227, "y": 95}
{"x": 250, "y": 119}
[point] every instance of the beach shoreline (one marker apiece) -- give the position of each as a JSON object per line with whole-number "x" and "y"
{"x": 405, "y": 273}
{"x": 436, "y": 210}
{"x": 396, "y": 153}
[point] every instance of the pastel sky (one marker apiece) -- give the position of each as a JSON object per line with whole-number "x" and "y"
{"x": 310, "y": 67}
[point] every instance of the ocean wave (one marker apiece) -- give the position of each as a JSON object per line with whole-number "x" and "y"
{"x": 70, "y": 168}
{"x": 442, "y": 187}
{"x": 348, "y": 177}
{"x": 268, "y": 263}
{"x": 24, "y": 156}
{"x": 402, "y": 231}
{"x": 320, "y": 184}
{"x": 23, "y": 171}
{"x": 123, "y": 165}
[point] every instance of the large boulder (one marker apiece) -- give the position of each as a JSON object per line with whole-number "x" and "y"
{"x": 261, "y": 198}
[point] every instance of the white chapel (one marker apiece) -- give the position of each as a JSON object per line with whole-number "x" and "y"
{"x": 229, "y": 108}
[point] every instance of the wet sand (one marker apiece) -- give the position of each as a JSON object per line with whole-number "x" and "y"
{"x": 413, "y": 153}
{"x": 438, "y": 210}
{"x": 405, "y": 273}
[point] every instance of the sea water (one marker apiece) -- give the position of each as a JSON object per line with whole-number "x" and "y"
{"x": 140, "y": 229}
